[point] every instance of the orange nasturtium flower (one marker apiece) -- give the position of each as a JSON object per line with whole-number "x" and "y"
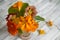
{"x": 18, "y": 5}
{"x": 12, "y": 28}
{"x": 28, "y": 24}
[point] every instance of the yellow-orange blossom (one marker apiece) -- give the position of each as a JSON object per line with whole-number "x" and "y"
{"x": 27, "y": 24}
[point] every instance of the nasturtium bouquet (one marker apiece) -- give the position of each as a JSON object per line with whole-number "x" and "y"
{"x": 22, "y": 18}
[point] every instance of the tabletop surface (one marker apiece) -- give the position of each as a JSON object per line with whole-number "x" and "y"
{"x": 49, "y": 9}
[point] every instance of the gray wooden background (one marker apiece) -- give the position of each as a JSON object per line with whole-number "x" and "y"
{"x": 49, "y": 9}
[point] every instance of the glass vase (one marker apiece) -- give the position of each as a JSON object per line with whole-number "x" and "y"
{"x": 24, "y": 36}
